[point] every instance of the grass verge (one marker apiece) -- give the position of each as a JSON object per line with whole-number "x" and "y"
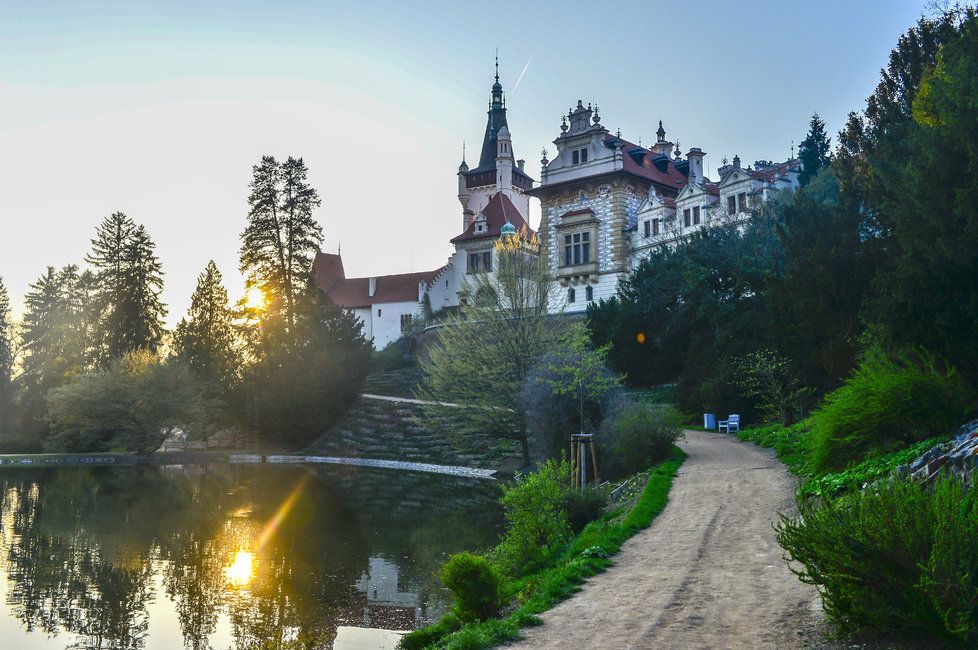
{"x": 586, "y": 555}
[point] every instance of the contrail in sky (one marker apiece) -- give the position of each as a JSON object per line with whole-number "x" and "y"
{"x": 520, "y": 78}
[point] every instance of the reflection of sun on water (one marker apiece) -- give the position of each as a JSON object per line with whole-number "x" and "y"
{"x": 240, "y": 570}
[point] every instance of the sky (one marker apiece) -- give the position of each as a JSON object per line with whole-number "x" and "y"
{"x": 160, "y": 109}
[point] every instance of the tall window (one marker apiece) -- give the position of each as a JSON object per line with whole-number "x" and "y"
{"x": 480, "y": 262}
{"x": 655, "y": 226}
{"x": 648, "y": 227}
{"x": 731, "y": 204}
{"x": 686, "y": 217}
{"x": 742, "y": 201}
{"x": 405, "y": 322}
{"x": 696, "y": 215}
{"x": 571, "y": 295}
{"x": 577, "y": 248}
{"x": 589, "y": 293}
{"x": 578, "y": 156}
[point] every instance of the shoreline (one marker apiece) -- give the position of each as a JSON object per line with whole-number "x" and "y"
{"x": 232, "y": 458}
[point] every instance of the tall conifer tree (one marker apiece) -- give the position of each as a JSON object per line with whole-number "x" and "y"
{"x": 130, "y": 281}
{"x": 6, "y": 360}
{"x": 282, "y": 237}
{"x": 205, "y": 339}
{"x": 813, "y": 151}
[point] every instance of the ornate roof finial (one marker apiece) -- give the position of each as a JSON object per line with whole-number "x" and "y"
{"x": 543, "y": 153}
{"x": 618, "y": 133}
{"x": 563, "y": 123}
{"x": 463, "y": 151}
{"x": 661, "y": 133}
{"x": 596, "y": 118}
{"x": 497, "y": 64}
{"x": 792, "y": 150}
{"x": 678, "y": 150}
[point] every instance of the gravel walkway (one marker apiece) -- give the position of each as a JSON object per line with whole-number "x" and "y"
{"x": 708, "y": 573}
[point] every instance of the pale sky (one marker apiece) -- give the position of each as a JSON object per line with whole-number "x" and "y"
{"x": 159, "y": 109}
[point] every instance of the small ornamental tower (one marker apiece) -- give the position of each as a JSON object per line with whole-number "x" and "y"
{"x": 504, "y": 162}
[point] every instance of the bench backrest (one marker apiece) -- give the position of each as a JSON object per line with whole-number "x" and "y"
{"x": 734, "y": 418}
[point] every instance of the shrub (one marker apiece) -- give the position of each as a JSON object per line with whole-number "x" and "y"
{"x": 901, "y": 558}
{"x": 537, "y": 522}
{"x": 393, "y": 357}
{"x": 790, "y": 443}
{"x": 887, "y": 404}
{"x": 635, "y": 436}
{"x": 584, "y": 506}
{"x": 475, "y": 584}
{"x": 767, "y": 377}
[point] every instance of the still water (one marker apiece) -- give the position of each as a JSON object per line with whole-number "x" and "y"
{"x": 227, "y": 556}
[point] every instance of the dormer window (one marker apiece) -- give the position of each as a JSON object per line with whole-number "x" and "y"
{"x": 579, "y": 156}
{"x": 696, "y": 215}
{"x": 648, "y": 228}
{"x": 686, "y": 218}
{"x": 731, "y": 204}
{"x": 742, "y": 201}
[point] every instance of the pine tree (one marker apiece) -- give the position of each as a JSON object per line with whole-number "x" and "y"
{"x": 129, "y": 280}
{"x": 53, "y": 342}
{"x": 813, "y": 151}
{"x": 282, "y": 237}
{"x": 6, "y": 361}
{"x": 205, "y": 340}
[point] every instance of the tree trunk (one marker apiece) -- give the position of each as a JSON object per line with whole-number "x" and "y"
{"x": 525, "y": 450}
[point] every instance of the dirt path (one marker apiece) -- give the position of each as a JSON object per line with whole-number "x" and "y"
{"x": 708, "y": 573}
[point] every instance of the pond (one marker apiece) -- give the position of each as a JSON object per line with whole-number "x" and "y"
{"x": 227, "y": 556}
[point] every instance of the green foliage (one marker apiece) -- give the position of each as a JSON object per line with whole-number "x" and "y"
{"x": 537, "y": 525}
{"x": 858, "y": 475}
{"x": 568, "y": 392}
{"x": 635, "y": 436}
{"x": 205, "y": 340}
{"x": 393, "y": 357}
{"x": 790, "y": 443}
{"x": 307, "y": 375}
{"x": 484, "y": 353}
{"x": 6, "y": 364}
{"x": 132, "y": 405}
{"x": 282, "y": 237}
{"x": 585, "y": 556}
{"x": 900, "y": 558}
{"x": 128, "y": 285}
{"x": 813, "y": 150}
{"x": 887, "y": 403}
{"x": 475, "y": 585}
{"x": 767, "y": 377}
{"x": 584, "y": 506}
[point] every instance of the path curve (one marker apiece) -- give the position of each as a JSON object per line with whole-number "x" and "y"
{"x": 708, "y": 573}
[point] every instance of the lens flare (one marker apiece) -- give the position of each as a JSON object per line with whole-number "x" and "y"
{"x": 281, "y": 514}
{"x": 640, "y": 337}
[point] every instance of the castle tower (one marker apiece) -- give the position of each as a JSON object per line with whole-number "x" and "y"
{"x": 498, "y": 169}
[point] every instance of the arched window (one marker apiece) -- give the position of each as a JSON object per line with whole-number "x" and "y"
{"x": 571, "y": 295}
{"x": 589, "y": 293}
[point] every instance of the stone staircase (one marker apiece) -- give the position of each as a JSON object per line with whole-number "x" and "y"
{"x": 394, "y": 430}
{"x": 396, "y": 383}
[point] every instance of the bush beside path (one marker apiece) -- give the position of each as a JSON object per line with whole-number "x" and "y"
{"x": 707, "y": 573}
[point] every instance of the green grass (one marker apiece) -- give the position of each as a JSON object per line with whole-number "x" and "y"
{"x": 586, "y": 555}
{"x": 791, "y": 444}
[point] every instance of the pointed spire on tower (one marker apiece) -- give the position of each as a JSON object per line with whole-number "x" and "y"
{"x": 661, "y": 133}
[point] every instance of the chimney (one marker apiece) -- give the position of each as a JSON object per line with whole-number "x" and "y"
{"x": 695, "y": 157}
{"x": 372, "y": 287}
{"x": 520, "y": 163}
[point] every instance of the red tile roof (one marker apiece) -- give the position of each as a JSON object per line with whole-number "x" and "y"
{"x": 355, "y": 292}
{"x": 772, "y": 173}
{"x": 672, "y": 178}
{"x": 496, "y": 211}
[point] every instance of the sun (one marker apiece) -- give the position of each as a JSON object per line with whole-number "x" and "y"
{"x": 254, "y": 298}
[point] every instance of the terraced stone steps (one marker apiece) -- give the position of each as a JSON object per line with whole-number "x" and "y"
{"x": 394, "y": 430}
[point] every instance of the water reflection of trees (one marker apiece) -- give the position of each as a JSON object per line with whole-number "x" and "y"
{"x": 84, "y": 548}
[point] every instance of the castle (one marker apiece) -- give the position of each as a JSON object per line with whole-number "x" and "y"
{"x": 605, "y": 203}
